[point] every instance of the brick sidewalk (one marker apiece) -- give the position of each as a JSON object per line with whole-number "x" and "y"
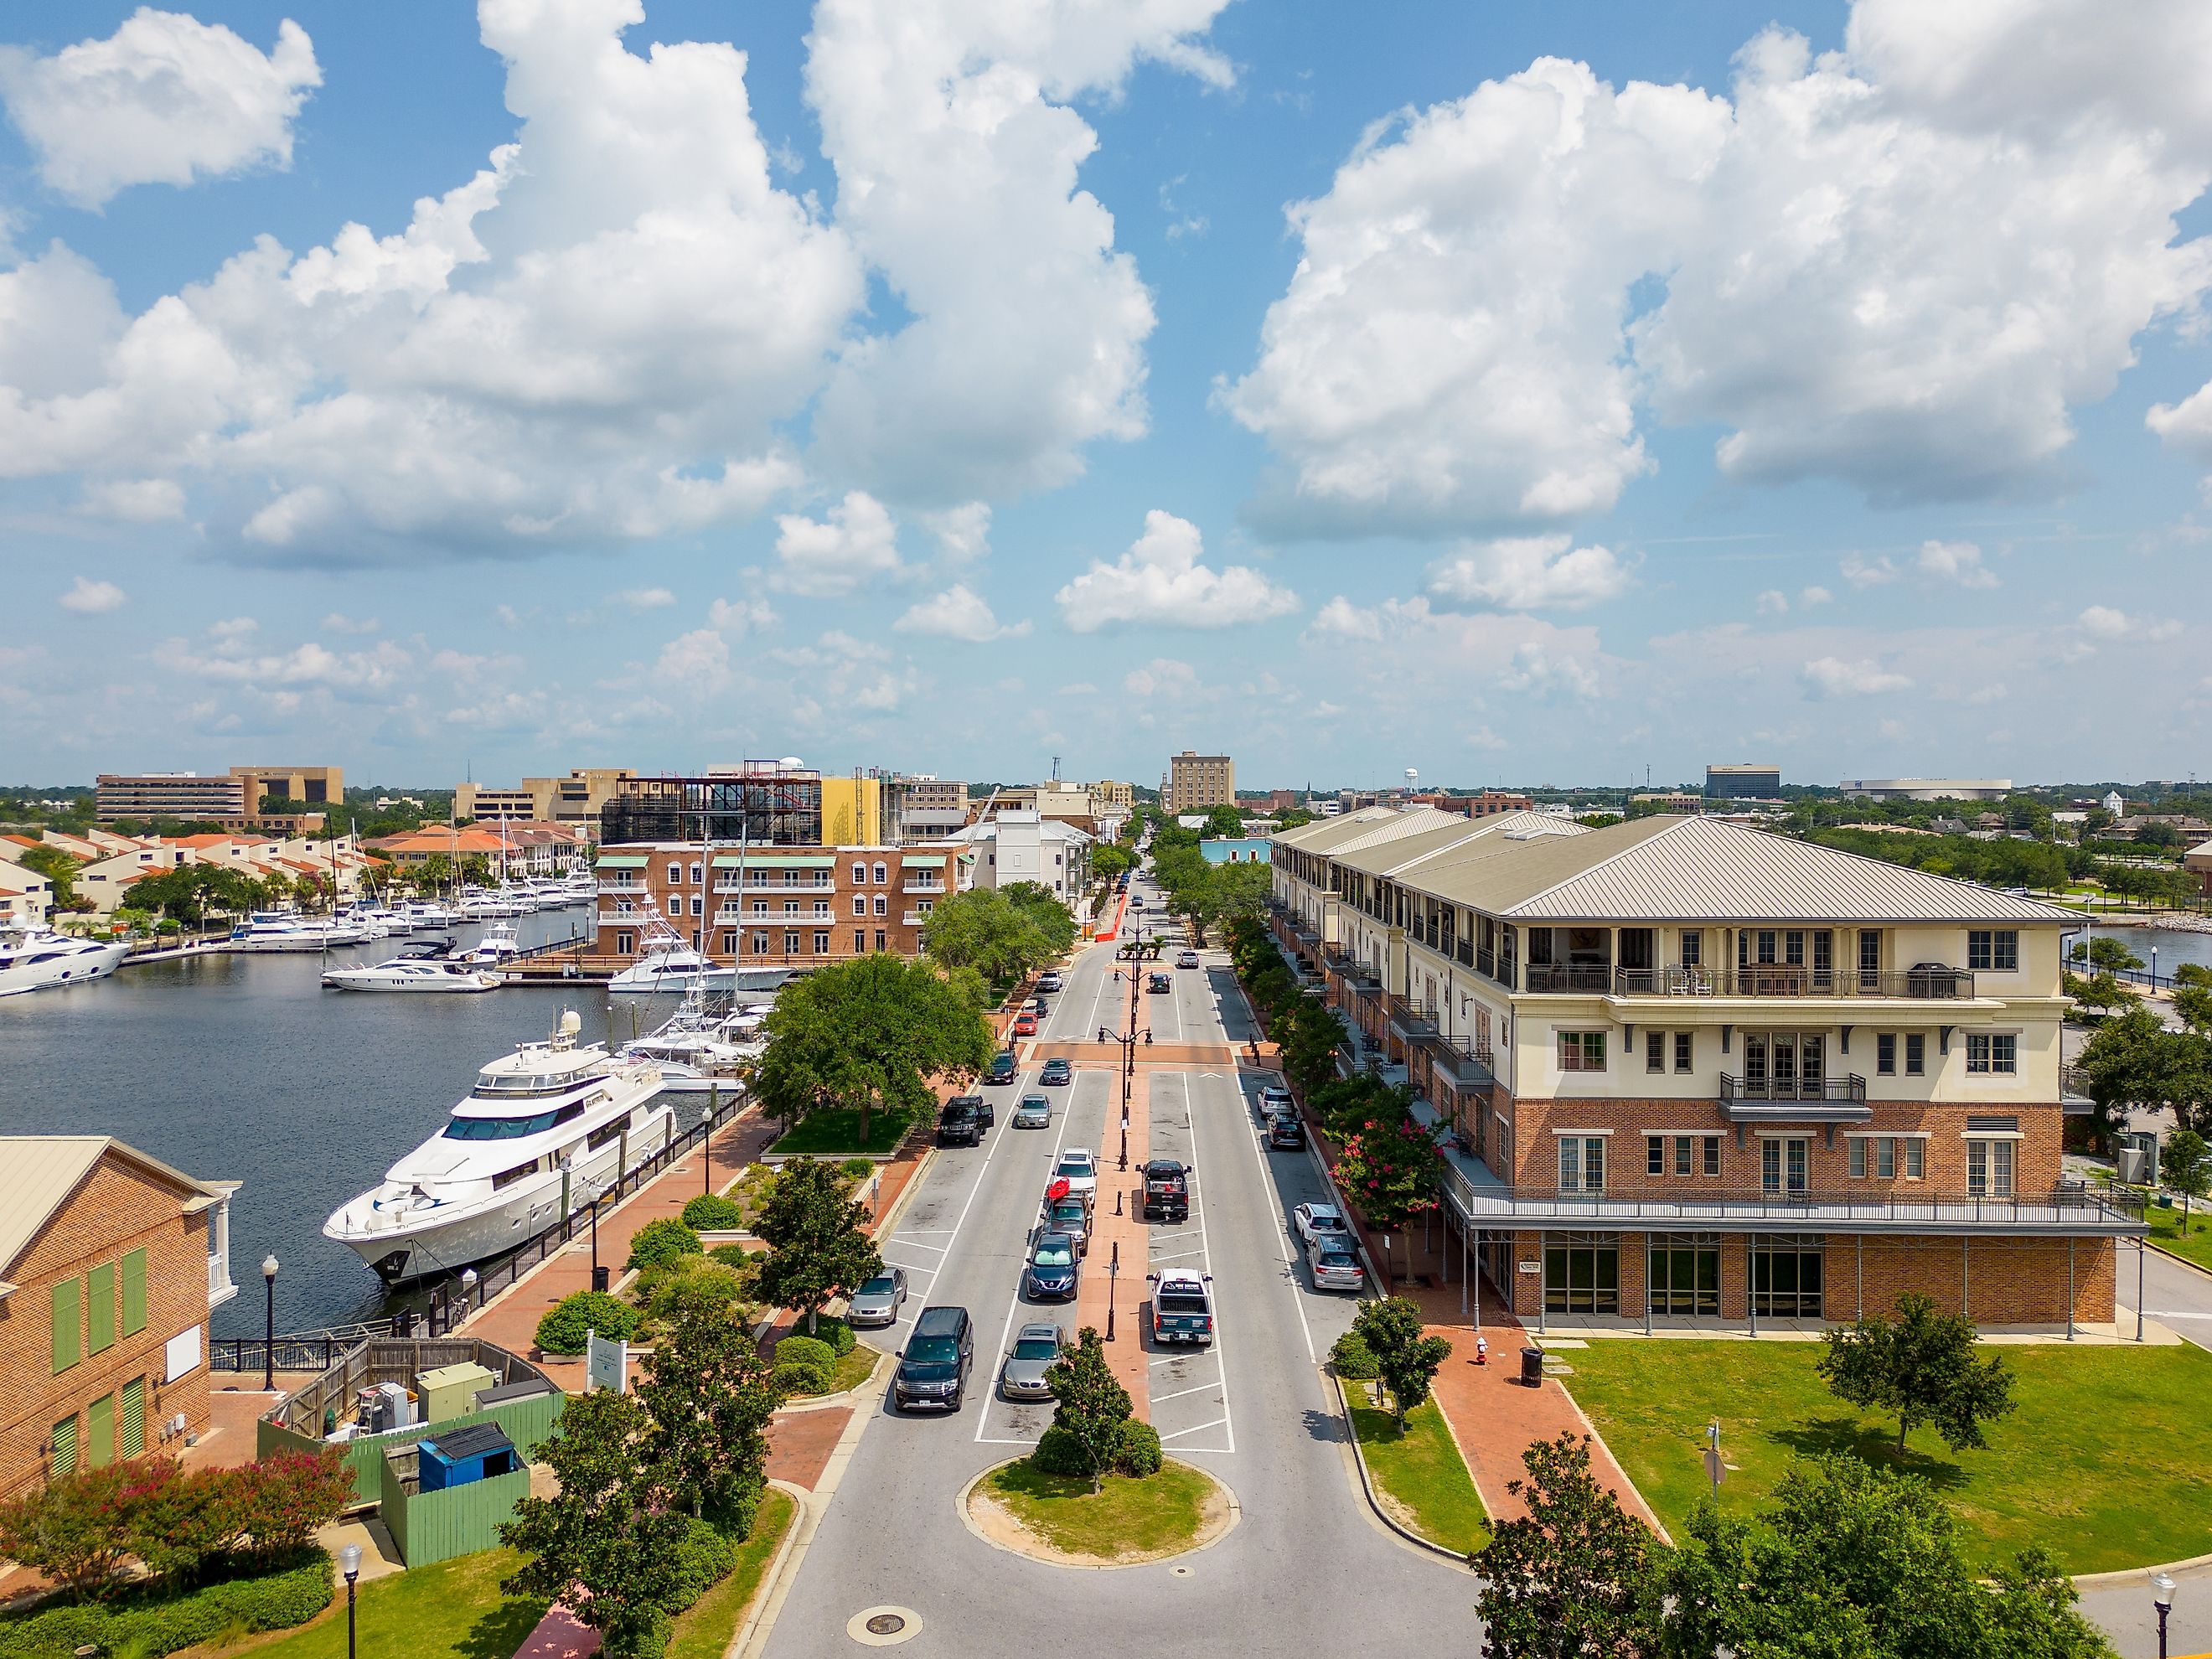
{"x": 1126, "y": 1353}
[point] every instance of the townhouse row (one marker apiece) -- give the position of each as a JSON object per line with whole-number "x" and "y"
{"x": 1689, "y": 1070}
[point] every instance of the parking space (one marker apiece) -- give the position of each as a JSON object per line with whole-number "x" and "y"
{"x": 1190, "y": 1404}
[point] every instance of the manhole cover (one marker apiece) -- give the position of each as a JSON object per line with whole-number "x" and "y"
{"x": 884, "y": 1627}
{"x": 1180, "y": 1572}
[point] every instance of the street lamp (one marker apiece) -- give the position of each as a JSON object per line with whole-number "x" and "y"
{"x": 269, "y": 1347}
{"x": 2161, "y": 1597}
{"x": 1113, "y": 1278}
{"x": 349, "y": 1564}
{"x": 599, "y": 1273}
{"x": 468, "y": 1292}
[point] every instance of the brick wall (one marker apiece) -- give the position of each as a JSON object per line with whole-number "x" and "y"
{"x": 119, "y": 1207}
{"x": 723, "y": 914}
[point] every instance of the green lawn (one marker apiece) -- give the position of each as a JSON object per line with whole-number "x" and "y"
{"x": 1129, "y": 1517}
{"x": 448, "y": 1610}
{"x": 1422, "y": 1474}
{"x": 703, "y": 1631}
{"x": 851, "y": 1370}
{"x": 2165, "y": 1231}
{"x": 2107, "y": 1462}
{"x": 836, "y": 1134}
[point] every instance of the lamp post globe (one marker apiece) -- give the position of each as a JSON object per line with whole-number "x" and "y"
{"x": 2161, "y": 1597}
{"x": 269, "y": 1332}
{"x": 468, "y": 1292}
{"x": 349, "y": 1564}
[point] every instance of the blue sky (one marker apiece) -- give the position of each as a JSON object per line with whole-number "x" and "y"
{"x": 1526, "y": 394}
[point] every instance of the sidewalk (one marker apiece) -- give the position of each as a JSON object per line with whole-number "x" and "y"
{"x": 1126, "y": 1353}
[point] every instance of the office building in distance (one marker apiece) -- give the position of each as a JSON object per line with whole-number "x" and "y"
{"x": 1743, "y": 782}
{"x": 1198, "y": 783}
{"x": 1926, "y": 788}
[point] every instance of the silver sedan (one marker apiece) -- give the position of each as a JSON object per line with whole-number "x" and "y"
{"x": 1036, "y": 1349}
{"x": 878, "y": 1301}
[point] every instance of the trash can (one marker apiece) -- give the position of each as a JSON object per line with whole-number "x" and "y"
{"x": 1532, "y": 1367}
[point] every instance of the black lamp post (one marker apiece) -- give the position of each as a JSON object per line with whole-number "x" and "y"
{"x": 1113, "y": 1278}
{"x": 269, "y": 1347}
{"x": 349, "y": 1564}
{"x": 598, "y": 1274}
{"x": 2161, "y": 1597}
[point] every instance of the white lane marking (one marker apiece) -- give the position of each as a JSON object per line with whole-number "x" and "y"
{"x": 995, "y": 1440}
{"x": 1179, "y": 1255}
{"x": 1180, "y": 1353}
{"x": 1206, "y": 1249}
{"x": 1014, "y": 1306}
{"x": 1272, "y": 1196}
{"x": 910, "y": 1267}
{"x": 958, "y": 1222}
{"x": 932, "y": 1231}
{"x": 1195, "y": 1427}
{"x": 906, "y": 1244}
{"x": 1162, "y": 1399}
{"x": 1162, "y": 1238}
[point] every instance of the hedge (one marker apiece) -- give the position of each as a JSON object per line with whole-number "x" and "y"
{"x": 793, "y": 1379}
{"x": 1140, "y": 1453}
{"x": 709, "y": 1213}
{"x": 270, "y": 1601}
{"x": 657, "y": 1244}
{"x": 1058, "y": 1452}
{"x": 805, "y": 1351}
{"x": 1354, "y": 1360}
{"x": 566, "y": 1323}
{"x": 703, "y": 1559}
{"x": 828, "y": 1328}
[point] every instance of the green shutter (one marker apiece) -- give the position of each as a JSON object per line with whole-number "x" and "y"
{"x": 69, "y": 1324}
{"x": 134, "y": 1417}
{"x": 64, "y": 1460}
{"x": 99, "y": 1309}
{"x": 134, "y": 1292}
{"x": 100, "y": 1431}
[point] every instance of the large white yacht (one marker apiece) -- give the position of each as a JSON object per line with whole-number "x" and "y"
{"x": 35, "y": 958}
{"x": 414, "y": 974}
{"x": 287, "y": 930}
{"x": 666, "y": 962}
{"x": 553, "y": 1117}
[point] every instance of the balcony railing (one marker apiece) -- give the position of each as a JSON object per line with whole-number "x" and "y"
{"x": 609, "y": 886}
{"x": 1933, "y": 982}
{"x": 1585, "y": 978}
{"x": 758, "y": 881}
{"x": 912, "y": 886}
{"x": 2067, "y": 1206}
{"x": 1769, "y": 1089}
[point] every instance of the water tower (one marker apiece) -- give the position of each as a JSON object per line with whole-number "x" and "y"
{"x": 1413, "y": 778}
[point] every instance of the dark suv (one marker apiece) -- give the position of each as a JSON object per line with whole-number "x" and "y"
{"x": 962, "y": 1123}
{"x": 1004, "y": 1067}
{"x": 1167, "y": 1191}
{"x": 933, "y": 1366}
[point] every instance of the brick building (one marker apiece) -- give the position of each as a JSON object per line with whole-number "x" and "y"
{"x": 1690, "y": 1070}
{"x": 774, "y": 906}
{"x": 109, "y": 1263}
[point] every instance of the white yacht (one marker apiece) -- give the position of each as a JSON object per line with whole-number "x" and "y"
{"x": 497, "y": 945}
{"x": 697, "y": 1050}
{"x": 412, "y": 973}
{"x": 35, "y": 958}
{"x": 667, "y": 964}
{"x": 421, "y": 914}
{"x": 553, "y": 1118}
{"x": 287, "y": 930}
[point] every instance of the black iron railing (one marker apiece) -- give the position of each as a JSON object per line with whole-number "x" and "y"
{"x": 1851, "y": 1088}
{"x": 1931, "y": 983}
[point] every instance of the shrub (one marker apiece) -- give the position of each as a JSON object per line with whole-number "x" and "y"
{"x": 1058, "y": 1452}
{"x": 828, "y": 1328}
{"x": 1139, "y": 1455}
{"x": 714, "y": 1214}
{"x": 703, "y": 1559}
{"x": 1354, "y": 1360}
{"x": 732, "y": 1255}
{"x": 563, "y": 1329}
{"x": 805, "y": 1350}
{"x": 75, "y": 1530}
{"x": 858, "y": 1169}
{"x": 789, "y": 1380}
{"x": 692, "y": 1284}
{"x": 287, "y": 1498}
{"x": 151, "y": 1623}
{"x": 657, "y": 1244}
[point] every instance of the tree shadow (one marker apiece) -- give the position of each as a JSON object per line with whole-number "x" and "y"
{"x": 501, "y": 1630}
{"x": 1872, "y": 1443}
{"x": 1325, "y": 1426}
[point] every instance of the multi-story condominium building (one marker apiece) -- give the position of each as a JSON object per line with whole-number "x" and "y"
{"x": 1017, "y": 845}
{"x": 171, "y": 795}
{"x": 1742, "y": 782}
{"x": 1686, "y": 1069}
{"x": 1197, "y": 783}
{"x": 773, "y": 906}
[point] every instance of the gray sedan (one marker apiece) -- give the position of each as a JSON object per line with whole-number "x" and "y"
{"x": 1036, "y": 1347}
{"x": 1034, "y": 1113}
{"x": 878, "y": 1301}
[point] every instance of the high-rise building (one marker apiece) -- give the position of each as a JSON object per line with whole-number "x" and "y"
{"x": 767, "y": 803}
{"x": 1197, "y": 782}
{"x": 321, "y": 786}
{"x": 1743, "y": 782}
{"x": 576, "y": 800}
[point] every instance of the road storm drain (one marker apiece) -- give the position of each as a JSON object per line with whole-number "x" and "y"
{"x": 884, "y": 1627}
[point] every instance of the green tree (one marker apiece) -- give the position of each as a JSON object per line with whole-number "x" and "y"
{"x": 817, "y": 1238}
{"x": 707, "y": 1391}
{"x": 433, "y": 874}
{"x": 2132, "y": 1062}
{"x": 987, "y": 930}
{"x": 1232, "y": 893}
{"x": 1224, "y": 824}
{"x": 60, "y": 871}
{"x": 1092, "y": 1405}
{"x": 1407, "y": 1357}
{"x": 1577, "y": 1577}
{"x": 2184, "y": 1166}
{"x": 1310, "y": 1035}
{"x": 2105, "y": 953}
{"x": 2192, "y": 996}
{"x": 868, "y": 1034}
{"x": 1110, "y": 862}
{"x": 1390, "y": 1168}
{"x": 1039, "y": 906}
{"x": 606, "y": 1545}
{"x": 1921, "y": 1366}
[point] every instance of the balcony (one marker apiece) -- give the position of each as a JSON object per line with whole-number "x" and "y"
{"x": 1930, "y": 982}
{"x": 610, "y": 887}
{"x": 758, "y": 882}
{"x": 1587, "y": 979}
{"x": 912, "y": 886}
{"x": 1795, "y": 1100}
{"x": 914, "y": 918}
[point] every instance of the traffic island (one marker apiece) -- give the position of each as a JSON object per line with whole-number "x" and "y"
{"x": 1058, "y": 1519}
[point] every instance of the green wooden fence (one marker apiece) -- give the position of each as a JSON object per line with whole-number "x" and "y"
{"x": 527, "y": 1422}
{"x": 435, "y": 1526}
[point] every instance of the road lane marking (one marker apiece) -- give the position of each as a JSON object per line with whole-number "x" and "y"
{"x": 1209, "y": 1388}
{"x": 1206, "y": 1249}
{"x": 1195, "y": 1427}
{"x": 905, "y": 1243}
{"x": 1013, "y": 1307}
{"x": 1179, "y": 1255}
{"x": 1271, "y": 1195}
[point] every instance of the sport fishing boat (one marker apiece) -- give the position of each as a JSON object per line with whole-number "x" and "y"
{"x": 666, "y": 962}
{"x": 554, "y": 1123}
{"x": 497, "y": 945}
{"x": 35, "y": 958}
{"x": 412, "y": 973}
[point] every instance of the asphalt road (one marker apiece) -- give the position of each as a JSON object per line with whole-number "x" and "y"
{"x": 1306, "y": 1569}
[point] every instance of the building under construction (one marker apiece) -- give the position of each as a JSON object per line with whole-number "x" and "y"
{"x": 760, "y": 803}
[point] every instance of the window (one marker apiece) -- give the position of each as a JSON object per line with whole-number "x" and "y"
{"x": 1885, "y": 1156}
{"x": 860, "y": 941}
{"x": 859, "y": 874}
{"x": 1685, "y": 1273}
{"x": 134, "y": 1417}
{"x": 1683, "y": 1051}
{"x": 1785, "y": 1278}
{"x": 730, "y": 938}
{"x": 698, "y": 874}
{"x": 1582, "y": 1163}
{"x": 883, "y": 904}
{"x": 1876, "y": 1155}
{"x": 68, "y": 1324}
{"x": 822, "y": 909}
{"x": 1581, "y": 1273}
{"x": 134, "y": 1292}
{"x": 698, "y": 904}
{"x": 1885, "y": 1055}
{"x": 1783, "y": 1166}
{"x": 1682, "y": 1155}
{"x": 1989, "y": 1169}
{"x": 791, "y": 941}
{"x": 625, "y": 944}
{"x": 1914, "y": 1152}
{"x": 1713, "y": 1156}
{"x": 1858, "y": 1159}
{"x": 1654, "y": 1155}
{"x": 100, "y": 1431}
{"x": 1869, "y": 960}
{"x": 1992, "y": 1054}
{"x": 760, "y": 944}
{"x": 791, "y": 907}
{"x": 881, "y": 944}
{"x": 675, "y": 874}
{"x": 883, "y": 874}
{"x": 99, "y": 1309}
{"x": 1582, "y": 1051}
{"x": 1693, "y": 948}
{"x": 1915, "y": 1054}
{"x": 822, "y": 942}
{"x": 760, "y": 907}
{"x": 1994, "y": 950}
{"x": 1655, "y": 1051}
{"x": 860, "y": 904}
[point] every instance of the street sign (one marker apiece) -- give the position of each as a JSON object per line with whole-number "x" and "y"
{"x": 606, "y": 1365}
{"x": 1716, "y": 1471}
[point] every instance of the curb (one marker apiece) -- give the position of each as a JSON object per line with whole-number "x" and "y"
{"x": 2132, "y": 1577}
{"x": 2193, "y": 1267}
{"x": 823, "y": 1402}
{"x": 887, "y": 1222}
{"x": 1428, "y": 1546}
{"x": 960, "y": 1503}
{"x": 775, "y": 1573}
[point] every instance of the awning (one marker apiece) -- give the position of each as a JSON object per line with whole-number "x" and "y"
{"x": 932, "y": 861}
{"x": 623, "y": 861}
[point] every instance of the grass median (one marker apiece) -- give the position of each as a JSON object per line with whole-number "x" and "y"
{"x": 448, "y": 1610}
{"x": 2107, "y": 1462}
{"x": 704, "y": 1630}
{"x": 1129, "y": 1518}
{"x": 1420, "y": 1474}
{"x": 835, "y": 1133}
{"x": 2165, "y": 1231}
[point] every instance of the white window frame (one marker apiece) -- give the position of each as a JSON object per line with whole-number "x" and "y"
{"x": 1987, "y": 1066}
{"x": 1988, "y": 1151}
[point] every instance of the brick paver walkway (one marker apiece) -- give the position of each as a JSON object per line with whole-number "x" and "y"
{"x": 1126, "y": 1353}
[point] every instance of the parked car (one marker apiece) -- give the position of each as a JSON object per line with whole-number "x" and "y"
{"x": 1275, "y": 1099}
{"x": 1070, "y": 1215}
{"x": 1054, "y": 1265}
{"x": 1334, "y": 1266}
{"x": 1078, "y": 1168}
{"x": 1049, "y": 981}
{"x": 1286, "y": 1133}
{"x": 1025, "y": 1023}
{"x": 1317, "y": 1220}
{"x": 1182, "y": 1307}
{"x": 1187, "y": 959}
{"x": 878, "y": 1301}
{"x": 961, "y": 1122}
{"x": 1036, "y": 1349}
{"x": 1157, "y": 984}
{"x": 1034, "y": 1113}
{"x": 1004, "y": 1067}
{"x": 1167, "y": 1191}
{"x": 1057, "y": 1073}
{"x": 933, "y": 1366}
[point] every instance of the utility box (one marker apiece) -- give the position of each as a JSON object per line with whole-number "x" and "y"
{"x": 477, "y": 1452}
{"x": 382, "y": 1408}
{"x": 2141, "y": 1169}
{"x": 451, "y": 1391}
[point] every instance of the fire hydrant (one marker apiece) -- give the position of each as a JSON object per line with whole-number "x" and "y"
{"x": 1482, "y": 1350}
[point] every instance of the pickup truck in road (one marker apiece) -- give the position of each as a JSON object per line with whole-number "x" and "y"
{"x": 1182, "y": 1307}
{"x": 1167, "y": 1191}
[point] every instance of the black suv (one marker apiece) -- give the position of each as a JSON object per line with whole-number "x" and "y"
{"x": 1167, "y": 1191}
{"x": 962, "y": 1121}
{"x": 1004, "y": 1067}
{"x": 933, "y": 1366}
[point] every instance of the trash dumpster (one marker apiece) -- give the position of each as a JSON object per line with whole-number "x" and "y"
{"x": 1532, "y": 1367}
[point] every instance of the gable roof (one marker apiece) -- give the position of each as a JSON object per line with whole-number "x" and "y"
{"x": 1323, "y": 835}
{"x": 1424, "y": 848}
{"x": 39, "y": 1173}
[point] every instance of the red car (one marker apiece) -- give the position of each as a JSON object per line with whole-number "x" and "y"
{"x": 1025, "y": 1025}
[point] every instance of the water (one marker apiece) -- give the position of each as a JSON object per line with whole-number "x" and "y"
{"x": 244, "y": 1068}
{"x": 2173, "y": 945}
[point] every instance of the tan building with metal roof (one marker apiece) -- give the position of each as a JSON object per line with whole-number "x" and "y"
{"x": 1824, "y": 1077}
{"x": 110, "y": 1263}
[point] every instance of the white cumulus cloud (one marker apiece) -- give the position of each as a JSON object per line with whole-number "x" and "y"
{"x": 958, "y": 613}
{"x": 1837, "y": 676}
{"x": 1530, "y": 573}
{"x": 645, "y": 599}
{"x": 856, "y": 542}
{"x": 163, "y": 99}
{"x": 1954, "y": 561}
{"x": 92, "y": 598}
{"x": 1159, "y": 582}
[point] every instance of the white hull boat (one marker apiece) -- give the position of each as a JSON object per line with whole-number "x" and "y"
{"x": 38, "y": 958}
{"x": 281, "y": 930}
{"x": 402, "y": 974}
{"x": 497, "y": 945}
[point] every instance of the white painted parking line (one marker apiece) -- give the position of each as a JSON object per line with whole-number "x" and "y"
{"x": 1180, "y": 1353}
{"x": 1015, "y": 1305}
{"x": 911, "y": 1267}
{"x": 906, "y": 1244}
{"x": 1193, "y": 1429}
{"x": 1272, "y": 1199}
{"x": 1162, "y": 1238}
{"x": 1179, "y": 1255}
{"x": 1204, "y": 1250}
{"x": 1160, "y": 1399}
{"x": 919, "y": 1231}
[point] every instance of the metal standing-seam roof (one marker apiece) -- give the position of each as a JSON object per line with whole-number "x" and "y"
{"x": 38, "y": 1173}
{"x": 1326, "y": 834}
{"x": 1696, "y": 869}
{"x": 1397, "y": 856}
